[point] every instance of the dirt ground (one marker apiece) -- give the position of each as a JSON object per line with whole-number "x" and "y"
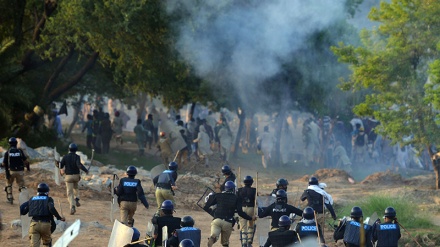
{"x": 95, "y": 210}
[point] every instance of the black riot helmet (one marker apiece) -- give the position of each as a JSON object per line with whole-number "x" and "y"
{"x": 229, "y": 186}
{"x": 281, "y": 196}
{"x": 308, "y": 213}
{"x": 187, "y": 221}
{"x": 284, "y": 221}
{"x": 226, "y": 170}
{"x": 356, "y": 212}
{"x": 390, "y": 212}
{"x": 132, "y": 171}
{"x": 12, "y": 142}
{"x": 172, "y": 166}
{"x": 282, "y": 183}
{"x": 73, "y": 147}
{"x": 248, "y": 180}
{"x": 43, "y": 188}
{"x": 313, "y": 181}
{"x": 186, "y": 243}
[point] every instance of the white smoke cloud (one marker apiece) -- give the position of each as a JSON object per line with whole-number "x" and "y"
{"x": 246, "y": 42}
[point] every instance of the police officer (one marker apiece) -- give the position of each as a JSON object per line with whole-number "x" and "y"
{"x": 247, "y": 196}
{"x": 128, "y": 192}
{"x": 278, "y": 209}
{"x": 229, "y": 176}
{"x": 42, "y": 210}
{"x": 135, "y": 238}
{"x": 307, "y": 228}
{"x": 350, "y": 230}
{"x": 281, "y": 185}
{"x": 70, "y": 165}
{"x": 282, "y": 236}
{"x": 187, "y": 231}
{"x": 387, "y": 234}
{"x": 227, "y": 203}
{"x": 165, "y": 218}
{"x": 166, "y": 184}
{"x": 14, "y": 162}
{"x": 186, "y": 243}
{"x": 316, "y": 198}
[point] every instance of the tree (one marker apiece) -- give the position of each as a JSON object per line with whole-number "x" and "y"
{"x": 392, "y": 63}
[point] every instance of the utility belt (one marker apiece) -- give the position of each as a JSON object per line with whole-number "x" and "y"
{"x": 231, "y": 220}
{"x": 42, "y": 221}
{"x": 163, "y": 186}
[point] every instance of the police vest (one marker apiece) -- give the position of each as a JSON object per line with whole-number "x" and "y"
{"x": 226, "y": 206}
{"x": 165, "y": 179}
{"x": 172, "y": 224}
{"x": 282, "y": 238}
{"x": 352, "y": 233}
{"x": 387, "y": 234}
{"x": 307, "y": 230}
{"x": 15, "y": 159}
{"x": 315, "y": 200}
{"x": 39, "y": 206}
{"x": 190, "y": 233}
{"x": 129, "y": 189}
{"x": 247, "y": 196}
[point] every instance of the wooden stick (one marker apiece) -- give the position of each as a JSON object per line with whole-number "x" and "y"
{"x": 239, "y": 178}
{"x": 61, "y": 209}
{"x": 317, "y": 227}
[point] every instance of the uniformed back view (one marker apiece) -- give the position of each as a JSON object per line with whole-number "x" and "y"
{"x": 350, "y": 231}
{"x": 278, "y": 209}
{"x": 42, "y": 210}
{"x": 187, "y": 231}
{"x": 247, "y": 196}
{"x": 282, "y": 236}
{"x": 165, "y": 218}
{"x": 387, "y": 234}
{"x": 128, "y": 192}
{"x": 308, "y": 229}
{"x": 14, "y": 162}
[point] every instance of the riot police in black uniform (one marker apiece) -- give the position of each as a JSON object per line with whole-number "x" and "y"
{"x": 229, "y": 176}
{"x": 42, "y": 210}
{"x": 247, "y": 196}
{"x": 14, "y": 163}
{"x": 281, "y": 185}
{"x": 350, "y": 230}
{"x": 128, "y": 192}
{"x": 307, "y": 228}
{"x": 387, "y": 234}
{"x": 135, "y": 238}
{"x": 166, "y": 184}
{"x": 187, "y": 231}
{"x": 278, "y": 209}
{"x": 317, "y": 200}
{"x": 227, "y": 203}
{"x": 165, "y": 218}
{"x": 282, "y": 237}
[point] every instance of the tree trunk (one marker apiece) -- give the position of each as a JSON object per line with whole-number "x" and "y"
{"x": 280, "y": 122}
{"x": 191, "y": 112}
{"x": 142, "y": 105}
{"x": 435, "y": 158}
{"x": 241, "y": 116}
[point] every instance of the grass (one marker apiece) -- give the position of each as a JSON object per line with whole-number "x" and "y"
{"x": 407, "y": 214}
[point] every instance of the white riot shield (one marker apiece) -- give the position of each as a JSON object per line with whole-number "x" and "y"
{"x": 177, "y": 142}
{"x": 121, "y": 235}
{"x": 156, "y": 171}
{"x": 56, "y": 171}
{"x": 164, "y": 235}
{"x": 114, "y": 198}
{"x": 69, "y": 234}
{"x": 263, "y": 224}
{"x": 25, "y": 219}
{"x": 150, "y": 229}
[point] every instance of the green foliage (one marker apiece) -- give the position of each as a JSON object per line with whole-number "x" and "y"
{"x": 407, "y": 215}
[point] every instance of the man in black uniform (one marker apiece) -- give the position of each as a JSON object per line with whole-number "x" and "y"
{"x": 350, "y": 230}
{"x": 165, "y": 218}
{"x": 229, "y": 176}
{"x": 128, "y": 192}
{"x": 317, "y": 198}
{"x": 281, "y": 185}
{"x": 42, "y": 210}
{"x": 166, "y": 184}
{"x": 387, "y": 234}
{"x": 70, "y": 165}
{"x": 278, "y": 209}
{"x": 187, "y": 231}
{"x": 282, "y": 236}
{"x": 135, "y": 238}
{"x": 14, "y": 162}
{"x": 308, "y": 229}
{"x": 227, "y": 203}
{"x": 247, "y": 196}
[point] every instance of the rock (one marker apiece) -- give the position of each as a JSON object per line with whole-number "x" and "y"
{"x": 16, "y": 224}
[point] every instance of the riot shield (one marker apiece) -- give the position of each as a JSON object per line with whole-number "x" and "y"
{"x": 204, "y": 197}
{"x": 56, "y": 172}
{"x": 164, "y": 235}
{"x": 25, "y": 219}
{"x": 177, "y": 142}
{"x": 156, "y": 170}
{"x": 114, "y": 197}
{"x": 68, "y": 235}
{"x": 121, "y": 235}
{"x": 263, "y": 224}
{"x": 150, "y": 229}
